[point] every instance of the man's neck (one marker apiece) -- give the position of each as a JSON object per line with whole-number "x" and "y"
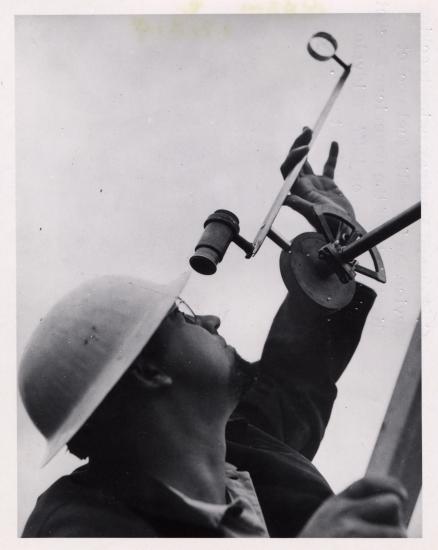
{"x": 186, "y": 454}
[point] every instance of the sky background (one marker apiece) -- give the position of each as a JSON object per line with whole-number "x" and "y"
{"x": 131, "y": 130}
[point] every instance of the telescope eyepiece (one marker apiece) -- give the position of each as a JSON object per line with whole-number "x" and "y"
{"x": 205, "y": 260}
{"x": 220, "y": 228}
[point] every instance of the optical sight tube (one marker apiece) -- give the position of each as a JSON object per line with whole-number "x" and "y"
{"x": 220, "y": 228}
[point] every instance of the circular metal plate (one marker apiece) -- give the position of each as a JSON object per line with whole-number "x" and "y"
{"x": 303, "y": 271}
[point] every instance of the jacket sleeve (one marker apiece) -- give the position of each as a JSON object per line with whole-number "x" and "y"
{"x": 303, "y": 357}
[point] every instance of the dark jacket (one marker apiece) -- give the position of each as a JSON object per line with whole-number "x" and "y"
{"x": 273, "y": 434}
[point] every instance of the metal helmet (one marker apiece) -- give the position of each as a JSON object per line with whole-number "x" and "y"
{"x": 82, "y": 348}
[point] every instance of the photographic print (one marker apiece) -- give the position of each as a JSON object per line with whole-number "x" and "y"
{"x": 207, "y": 343}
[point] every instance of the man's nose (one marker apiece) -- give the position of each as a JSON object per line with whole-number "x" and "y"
{"x": 210, "y": 322}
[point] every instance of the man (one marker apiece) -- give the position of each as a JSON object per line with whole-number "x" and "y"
{"x": 184, "y": 437}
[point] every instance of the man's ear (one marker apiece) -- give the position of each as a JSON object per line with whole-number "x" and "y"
{"x": 151, "y": 376}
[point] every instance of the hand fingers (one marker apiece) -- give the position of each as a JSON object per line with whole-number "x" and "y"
{"x": 370, "y": 516}
{"x": 363, "y": 529}
{"x": 303, "y": 139}
{"x": 373, "y": 485}
{"x": 293, "y": 158}
{"x": 330, "y": 165}
{"x": 307, "y": 169}
{"x": 384, "y": 509}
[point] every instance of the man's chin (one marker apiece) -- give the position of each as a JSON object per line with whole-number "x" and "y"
{"x": 243, "y": 376}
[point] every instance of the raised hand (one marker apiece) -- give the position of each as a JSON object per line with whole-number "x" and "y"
{"x": 311, "y": 190}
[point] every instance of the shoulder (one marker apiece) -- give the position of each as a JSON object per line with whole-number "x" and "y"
{"x": 68, "y": 509}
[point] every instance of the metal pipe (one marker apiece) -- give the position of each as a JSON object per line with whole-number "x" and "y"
{"x": 381, "y": 233}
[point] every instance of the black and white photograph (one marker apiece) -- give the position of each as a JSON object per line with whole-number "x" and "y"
{"x": 218, "y": 274}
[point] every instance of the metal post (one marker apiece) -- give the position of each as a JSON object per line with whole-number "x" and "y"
{"x": 397, "y": 451}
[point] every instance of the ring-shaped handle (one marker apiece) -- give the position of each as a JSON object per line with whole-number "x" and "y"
{"x": 329, "y": 38}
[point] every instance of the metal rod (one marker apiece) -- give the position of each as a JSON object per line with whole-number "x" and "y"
{"x": 329, "y": 105}
{"x": 278, "y": 240}
{"x": 341, "y": 63}
{"x": 290, "y": 180}
{"x": 245, "y": 245}
{"x": 381, "y": 233}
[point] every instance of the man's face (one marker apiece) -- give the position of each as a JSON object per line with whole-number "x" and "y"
{"x": 195, "y": 355}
